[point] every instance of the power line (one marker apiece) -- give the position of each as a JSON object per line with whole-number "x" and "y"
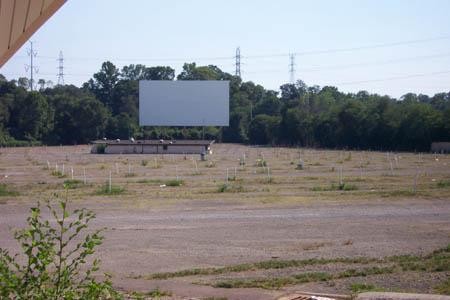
{"x": 395, "y": 78}
{"x": 363, "y": 64}
{"x": 359, "y": 48}
{"x": 300, "y": 53}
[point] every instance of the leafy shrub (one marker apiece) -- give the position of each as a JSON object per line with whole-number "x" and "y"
{"x": 58, "y": 174}
{"x": 55, "y": 256}
{"x": 101, "y": 148}
{"x": 72, "y": 183}
{"x": 261, "y": 163}
{"x": 174, "y": 182}
{"x": 232, "y": 188}
{"x": 443, "y": 183}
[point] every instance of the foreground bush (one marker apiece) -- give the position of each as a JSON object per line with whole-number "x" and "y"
{"x": 55, "y": 258}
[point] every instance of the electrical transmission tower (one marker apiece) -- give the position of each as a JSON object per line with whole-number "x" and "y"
{"x": 292, "y": 67}
{"x": 61, "y": 69}
{"x": 238, "y": 62}
{"x": 31, "y": 53}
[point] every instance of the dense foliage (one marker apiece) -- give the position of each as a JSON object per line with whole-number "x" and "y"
{"x": 107, "y": 106}
{"x": 55, "y": 260}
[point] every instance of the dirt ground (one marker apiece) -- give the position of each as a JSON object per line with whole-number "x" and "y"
{"x": 339, "y": 204}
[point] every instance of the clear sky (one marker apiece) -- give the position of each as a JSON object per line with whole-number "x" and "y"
{"x": 391, "y": 46}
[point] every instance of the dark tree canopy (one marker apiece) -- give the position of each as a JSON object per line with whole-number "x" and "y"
{"x": 107, "y": 106}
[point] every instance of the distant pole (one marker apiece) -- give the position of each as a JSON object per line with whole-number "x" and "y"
{"x": 292, "y": 68}
{"x": 31, "y": 67}
{"x": 61, "y": 69}
{"x": 238, "y": 62}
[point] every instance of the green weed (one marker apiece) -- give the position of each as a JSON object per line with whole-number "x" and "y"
{"x": 72, "y": 183}
{"x": 175, "y": 182}
{"x": 114, "y": 190}
{"x": 6, "y": 192}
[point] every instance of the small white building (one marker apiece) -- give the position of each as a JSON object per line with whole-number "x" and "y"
{"x": 440, "y": 147}
{"x": 151, "y": 147}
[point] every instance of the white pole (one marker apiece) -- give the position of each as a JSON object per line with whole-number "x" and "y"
{"x": 415, "y": 181}
{"x": 176, "y": 171}
{"x": 62, "y": 172}
{"x": 71, "y": 172}
{"x": 110, "y": 181}
{"x": 268, "y": 174}
{"x": 84, "y": 175}
{"x": 48, "y": 165}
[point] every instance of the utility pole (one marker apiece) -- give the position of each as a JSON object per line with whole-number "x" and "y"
{"x": 292, "y": 68}
{"x": 61, "y": 69}
{"x": 31, "y": 53}
{"x": 238, "y": 62}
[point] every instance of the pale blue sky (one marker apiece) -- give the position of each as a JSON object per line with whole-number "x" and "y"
{"x": 207, "y": 32}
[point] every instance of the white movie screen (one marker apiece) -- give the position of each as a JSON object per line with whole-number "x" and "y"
{"x": 183, "y": 103}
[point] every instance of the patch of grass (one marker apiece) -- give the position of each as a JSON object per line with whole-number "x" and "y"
{"x": 313, "y": 246}
{"x": 72, "y": 183}
{"x": 230, "y": 188}
{"x": 443, "y": 184}
{"x": 130, "y": 175}
{"x": 349, "y": 157}
{"x": 274, "y": 282}
{"x": 347, "y": 242}
{"x": 157, "y": 293}
{"x": 144, "y": 162}
{"x": 336, "y": 187}
{"x": 115, "y": 190}
{"x": 437, "y": 261}
{"x": 150, "y": 181}
{"x": 58, "y": 174}
{"x": 398, "y": 193}
{"x": 263, "y": 265}
{"x": 6, "y": 192}
{"x": 260, "y": 163}
{"x": 344, "y": 187}
{"x": 279, "y": 282}
{"x": 443, "y": 287}
{"x": 210, "y": 164}
{"x": 364, "y": 287}
{"x": 174, "y": 182}
{"x": 311, "y": 178}
{"x": 365, "y": 272}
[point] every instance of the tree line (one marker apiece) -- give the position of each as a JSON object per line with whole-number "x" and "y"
{"x": 298, "y": 115}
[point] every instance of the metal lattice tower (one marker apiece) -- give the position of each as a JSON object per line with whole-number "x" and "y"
{"x": 31, "y": 53}
{"x": 238, "y": 62}
{"x": 292, "y": 67}
{"x": 61, "y": 69}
